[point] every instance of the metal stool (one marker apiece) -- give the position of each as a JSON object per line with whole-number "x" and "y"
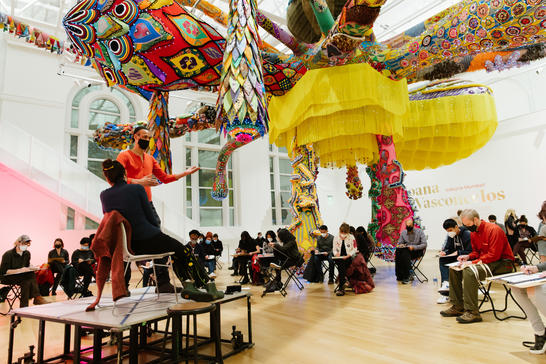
{"x": 188, "y": 309}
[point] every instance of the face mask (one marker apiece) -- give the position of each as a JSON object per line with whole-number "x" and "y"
{"x": 269, "y": 239}
{"x": 84, "y": 247}
{"x": 57, "y": 246}
{"x": 200, "y": 240}
{"x": 409, "y": 229}
{"x": 207, "y": 241}
{"x": 23, "y": 247}
{"x": 451, "y": 234}
{"x": 472, "y": 228}
{"x": 215, "y": 240}
{"x": 143, "y": 144}
{"x": 324, "y": 235}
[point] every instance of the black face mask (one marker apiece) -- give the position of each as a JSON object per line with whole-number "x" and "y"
{"x": 409, "y": 229}
{"x": 57, "y": 246}
{"x": 472, "y": 228}
{"x": 143, "y": 144}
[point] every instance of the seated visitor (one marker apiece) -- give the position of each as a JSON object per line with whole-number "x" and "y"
{"x": 323, "y": 251}
{"x": 511, "y": 226}
{"x": 457, "y": 244}
{"x": 57, "y": 260}
{"x": 217, "y": 244}
{"x": 208, "y": 253}
{"x": 364, "y": 242}
{"x": 411, "y": 245}
{"x": 15, "y": 269}
{"x": 83, "y": 260}
{"x": 147, "y": 272}
{"x": 359, "y": 275}
{"x": 146, "y": 238}
{"x": 493, "y": 219}
{"x": 520, "y": 294}
{"x": 270, "y": 237}
{"x": 246, "y": 247}
{"x": 524, "y": 234}
{"x": 344, "y": 246}
{"x": 260, "y": 240}
{"x": 489, "y": 247}
{"x": 195, "y": 246}
{"x": 287, "y": 254}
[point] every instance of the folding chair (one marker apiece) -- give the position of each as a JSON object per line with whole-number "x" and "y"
{"x": 217, "y": 261}
{"x": 12, "y": 293}
{"x": 532, "y": 253}
{"x": 326, "y": 267}
{"x": 417, "y": 273}
{"x": 485, "y": 288}
{"x": 128, "y": 257}
{"x": 291, "y": 272}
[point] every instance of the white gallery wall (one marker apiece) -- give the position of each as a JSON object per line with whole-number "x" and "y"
{"x": 511, "y": 167}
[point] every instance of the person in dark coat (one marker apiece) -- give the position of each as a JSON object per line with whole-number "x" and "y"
{"x": 247, "y": 246}
{"x": 57, "y": 260}
{"x": 288, "y": 254}
{"x": 359, "y": 276}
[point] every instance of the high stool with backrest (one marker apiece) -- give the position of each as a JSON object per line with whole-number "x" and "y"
{"x": 188, "y": 309}
{"x": 128, "y": 257}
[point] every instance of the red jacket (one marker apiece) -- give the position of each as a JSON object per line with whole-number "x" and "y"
{"x": 489, "y": 244}
{"x": 108, "y": 249}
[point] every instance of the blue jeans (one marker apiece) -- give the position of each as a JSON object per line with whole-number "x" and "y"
{"x": 444, "y": 271}
{"x": 211, "y": 265}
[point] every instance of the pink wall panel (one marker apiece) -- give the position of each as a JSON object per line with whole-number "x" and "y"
{"x": 28, "y": 208}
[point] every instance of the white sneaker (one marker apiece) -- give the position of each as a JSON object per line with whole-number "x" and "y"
{"x": 275, "y": 266}
{"x": 212, "y": 275}
{"x": 442, "y": 300}
{"x": 444, "y": 288}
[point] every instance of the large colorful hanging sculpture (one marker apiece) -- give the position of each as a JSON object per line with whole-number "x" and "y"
{"x": 304, "y": 201}
{"x": 158, "y": 46}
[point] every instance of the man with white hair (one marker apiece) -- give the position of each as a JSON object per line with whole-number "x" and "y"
{"x": 490, "y": 253}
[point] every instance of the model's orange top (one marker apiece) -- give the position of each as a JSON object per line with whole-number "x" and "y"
{"x": 138, "y": 167}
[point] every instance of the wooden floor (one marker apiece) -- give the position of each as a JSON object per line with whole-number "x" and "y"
{"x": 393, "y": 324}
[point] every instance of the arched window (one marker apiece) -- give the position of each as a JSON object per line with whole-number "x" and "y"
{"x": 91, "y": 107}
{"x": 280, "y": 171}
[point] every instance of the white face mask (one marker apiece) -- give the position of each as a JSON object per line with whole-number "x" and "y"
{"x": 23, "y": 247}
{"x": 84, "y": 247}
{"x": 451, "y": 234}
{"x": 324, "y": 235}
{"x": 269, "y": 239}
{"x": 215, "y": 240}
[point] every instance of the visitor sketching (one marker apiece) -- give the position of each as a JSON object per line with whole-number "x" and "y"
{"x": 411, "y": 245}
{"x": 344, "y": 247}
{"x": 456, "y": 245}
{"x": 15, "y": 269}
{"x": 491, "y": 255}
{"x": 57, "y": 258}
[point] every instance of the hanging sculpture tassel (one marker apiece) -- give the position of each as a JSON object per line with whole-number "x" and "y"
{"x": 353, "y": 184}
{"x": 304, "y": 203}
{"x": 391, "y": 205}
{"x": 220, "y": 182}
{"x": 242, "y": 103}
{"x": 241, "y": 110}
{"x": 158, "y": 124}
